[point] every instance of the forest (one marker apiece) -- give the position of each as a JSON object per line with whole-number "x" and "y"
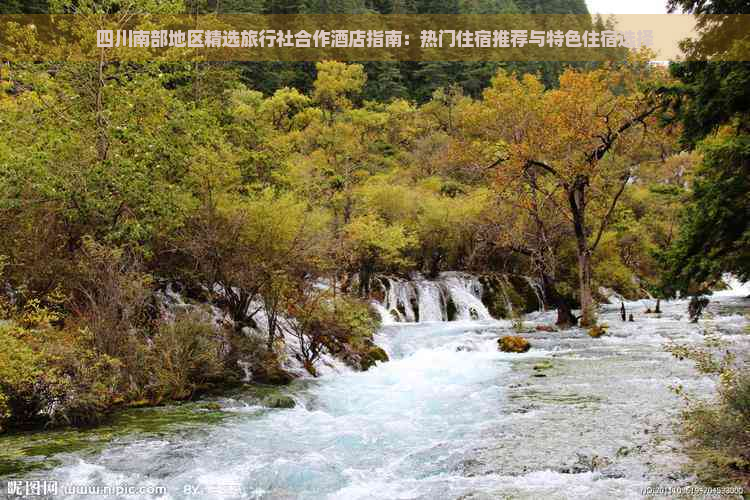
{"x": 269, "y": 191}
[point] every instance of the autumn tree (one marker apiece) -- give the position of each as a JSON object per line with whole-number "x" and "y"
{"x": 583, "y": 142}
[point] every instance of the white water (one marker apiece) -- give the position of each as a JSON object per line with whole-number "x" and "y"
{"x": 431, "y": 301}
{"x": 432, "y": 298}
{"x": 448, "y": 416}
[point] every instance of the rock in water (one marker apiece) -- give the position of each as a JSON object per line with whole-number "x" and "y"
{"x": 278, "y": 401}
{"x": 597, "y": 331}
{"x": 513, "y": 343}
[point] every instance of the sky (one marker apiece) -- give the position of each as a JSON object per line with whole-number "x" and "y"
{"x": 627, "y": 7}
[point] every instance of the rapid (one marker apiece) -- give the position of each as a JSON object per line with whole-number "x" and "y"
{"x": 448, "y": 417}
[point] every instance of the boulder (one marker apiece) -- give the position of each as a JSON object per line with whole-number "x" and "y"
{"x": 513, "y": 343}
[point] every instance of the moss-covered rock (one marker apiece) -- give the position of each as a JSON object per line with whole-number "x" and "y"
{"x": 278, "y": 401}
{"x": 513, "y": 343}
{"x": 372, "y": 356}
{"x": 597, "y": 331}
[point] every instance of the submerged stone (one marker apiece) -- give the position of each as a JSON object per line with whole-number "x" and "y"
{"x": 513, "y": 343}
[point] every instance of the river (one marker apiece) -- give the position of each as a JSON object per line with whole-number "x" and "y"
{"x": 448, "y": 417}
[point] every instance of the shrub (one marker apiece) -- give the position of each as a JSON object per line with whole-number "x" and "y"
{"x": 54, "y": 377}
{"x": 512, "y": 343}
{"x": 20, "y": 367}
{"x": 112, "y": 298}
{"x": 184, "y": 357}
{"x": 696, "y": 306}
{"x": 342, "y": 325}
{"x": 84, "y": 383}
{"x": 717, "y": 431}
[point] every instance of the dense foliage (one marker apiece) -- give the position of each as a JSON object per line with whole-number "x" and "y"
{"x": 713, "y": 104}
{"x": 112, "y": 185}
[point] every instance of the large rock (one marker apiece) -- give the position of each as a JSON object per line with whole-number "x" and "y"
{"x": 513, "y": 343}
{"x": 364, "y": 357}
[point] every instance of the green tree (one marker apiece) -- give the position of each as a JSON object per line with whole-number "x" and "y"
{"x": 714, "y": 109}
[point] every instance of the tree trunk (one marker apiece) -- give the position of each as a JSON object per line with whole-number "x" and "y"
{"x": 365, "y": 275}
{"x": 565, "y": 318}
{"x": 588, "y": 313}
{"x": 577, "y": 200}
{"x": 272, "y": 315}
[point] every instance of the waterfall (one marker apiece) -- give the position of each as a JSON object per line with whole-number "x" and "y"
{"x": 538, "y": 290}
{"x": 452, "y": 296}
{"x": 466, "y": 294}
{"x": 400, "y": 300}
{"x": 385, "y": 316}
{"x": 432, "y": 306}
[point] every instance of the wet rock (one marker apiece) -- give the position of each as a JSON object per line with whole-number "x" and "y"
{"x": 213, "y": 406}
{"x": 544, "y": 365}
{"x": 513, "y": 343}
{"x": 278, "y": 401}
